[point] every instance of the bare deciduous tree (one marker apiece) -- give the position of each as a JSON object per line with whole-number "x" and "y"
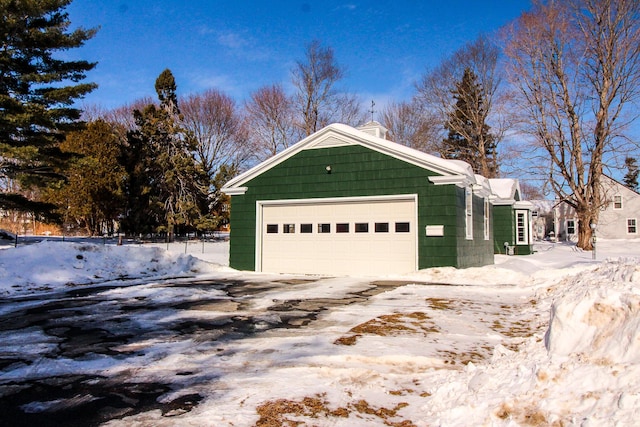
{"x": 348, "y": 110}
{"x": 437, "y": 94}
{"x": 269, "y": 119}
{"x": 314, "y": 79}
{"x": 214, "y": 122}
{"x": 409, "y": 124}
{"x": 121, "y": 118}
{"x": 576, "y": 66}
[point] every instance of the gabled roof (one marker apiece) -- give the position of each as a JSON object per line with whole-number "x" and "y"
{"x": 338, "y": 135}
{"x": 569, "y": 200}
{"x": 507, "y": 190}
{"x": 620, "y": 184}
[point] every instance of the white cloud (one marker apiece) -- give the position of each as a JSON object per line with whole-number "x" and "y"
{"x": 232, "y": 40}
{"x": 348, "y": 6}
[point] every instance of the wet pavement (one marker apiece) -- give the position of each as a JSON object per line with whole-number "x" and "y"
{"x": 69, "y": 359}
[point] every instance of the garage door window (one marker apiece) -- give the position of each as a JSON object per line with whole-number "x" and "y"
{"x": 272, "y": 228}
{"x": 324, "y": 228}
{"x": 306, "y": 228}
{"x": 382, "y": 227}
{"x": 402, "y": 227}
{"x": 362, "y": 227}
{"x": 288, "y": 228}
{"x": 342, "y": 227}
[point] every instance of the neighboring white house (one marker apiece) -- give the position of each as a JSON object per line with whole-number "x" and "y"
{"x": 542, "y": 223}
{"x": 618, "y": 219}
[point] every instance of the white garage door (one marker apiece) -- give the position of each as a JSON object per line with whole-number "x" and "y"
{"x": 361, "y": 236}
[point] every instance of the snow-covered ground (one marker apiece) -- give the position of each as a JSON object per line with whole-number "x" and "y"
{"x": 547, "y": 339}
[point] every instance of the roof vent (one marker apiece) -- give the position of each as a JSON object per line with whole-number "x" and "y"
{"x": 374, "y": 128}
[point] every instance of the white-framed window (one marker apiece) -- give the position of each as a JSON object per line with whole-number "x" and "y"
{"x": 468, "y": 201}
{"x": 617, "y": 202}
{"x": 522, "y": 227}
{"x": 571, "y": 226}
{"x": 487, "y": 215}
{"x": 632, "y": 226}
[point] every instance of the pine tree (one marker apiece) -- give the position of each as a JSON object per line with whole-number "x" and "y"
{"x": 37, "y": 91}
{"x": 631, "y": 178}
{"x": 469, "y": 138}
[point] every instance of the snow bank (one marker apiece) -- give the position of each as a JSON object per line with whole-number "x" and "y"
{"x": 48, "y": 265}
{"x": 597, "y": 314}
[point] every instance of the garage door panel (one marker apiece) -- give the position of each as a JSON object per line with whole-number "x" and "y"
{"x": 339, "y": 253}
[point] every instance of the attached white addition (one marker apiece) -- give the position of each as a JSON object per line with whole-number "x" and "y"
{"x": 351, "y": 235}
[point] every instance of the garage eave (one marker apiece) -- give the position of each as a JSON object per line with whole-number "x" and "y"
{"x": 459, "y": 180}
{"x": 234, "y": 191}
{"x": 338, "y": 134}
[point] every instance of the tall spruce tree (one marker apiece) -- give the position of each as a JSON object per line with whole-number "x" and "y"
{"x": 162, "y": 187}
{"x": 469, "y": 137}
{"x": 631, "y": 177}
{"x": 37, "y": 91}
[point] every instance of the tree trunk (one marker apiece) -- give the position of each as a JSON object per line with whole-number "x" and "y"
{"x": 584, "y": 234}
{"x": 587, "y": 215}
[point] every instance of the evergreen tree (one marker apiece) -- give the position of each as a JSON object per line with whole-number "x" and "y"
{"x": 631, "y": 178}
{"x": 469, "y": 138}
{"x": 91, "y": 195}
{"x": 37, "y": 89}
{"x": 163, "y": 190}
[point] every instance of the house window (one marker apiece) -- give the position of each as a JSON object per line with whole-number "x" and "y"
{"x": 382, "y": 227}
{"x": 306, "y": 228}
{"x": 617, "y": 202}
{"x": 272, "y": 228}
{"x": 571, "y": 226}
{"x": 632, "y": 227}
{"x": 324, "y": 228}
{"x": 468, "y": 201}
{"x": 362, "y": 227}
{"x": 288, "y": 228}
{"x": 522, "y": 228}
{"x": 487, "y": 215}
{"x": 402, "y": 227}
{"x": 342, "y": 227}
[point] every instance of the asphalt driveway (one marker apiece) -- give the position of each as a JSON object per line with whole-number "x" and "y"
{"x": 70, "y": 359}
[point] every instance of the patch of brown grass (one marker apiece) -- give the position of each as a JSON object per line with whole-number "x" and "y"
{"x": 349, "y": 340}
{"x": 440, "y": 303}
{"x": 528, "y": 415}
{"x": 391, "y": 325}
{"x": 513, "y": 329}
{"x": 278, "y": 413}
{"x": 274, "y": 413}
{"x": 463, "y": 358}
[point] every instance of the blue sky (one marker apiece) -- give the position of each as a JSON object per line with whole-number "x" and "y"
{"x": 239, "y": 46}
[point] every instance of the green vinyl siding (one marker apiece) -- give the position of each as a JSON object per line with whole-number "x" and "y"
{"x": 359, "y": 171}
{"x": 503, "y": 227}
{"x": 504, "y": 230}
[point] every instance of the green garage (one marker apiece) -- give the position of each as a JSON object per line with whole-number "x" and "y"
{"x": 347, "y": 201}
